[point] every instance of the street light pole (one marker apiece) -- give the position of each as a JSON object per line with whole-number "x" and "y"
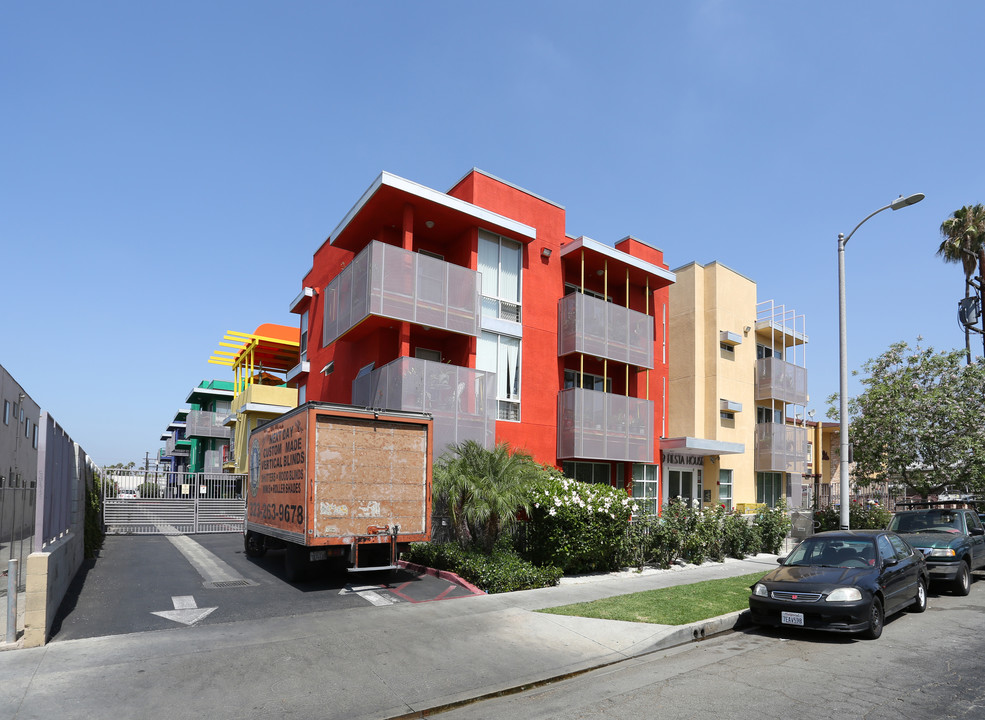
{"x": 896, "y": 204}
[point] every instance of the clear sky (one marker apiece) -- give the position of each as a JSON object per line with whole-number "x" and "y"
{"x": 168, "y": 169}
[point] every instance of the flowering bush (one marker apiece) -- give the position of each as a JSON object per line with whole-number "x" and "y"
{"x": 579, "y": 527}
{"x": 773, "y": 524}
{"x": 861, "y": 516}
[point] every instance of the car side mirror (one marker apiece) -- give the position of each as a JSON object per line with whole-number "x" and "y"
{"x": 889, "y": 562}
{"x": 780, "y": 559}
{"x": 976, "y": 531}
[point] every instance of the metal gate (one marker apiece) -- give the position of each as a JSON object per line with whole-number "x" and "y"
{"x": 138, "y": 502}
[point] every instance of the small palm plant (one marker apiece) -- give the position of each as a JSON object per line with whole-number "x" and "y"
{"x": 483, "y": 490}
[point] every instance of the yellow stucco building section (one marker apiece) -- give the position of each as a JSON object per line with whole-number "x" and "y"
{"x": 712, "y": 308}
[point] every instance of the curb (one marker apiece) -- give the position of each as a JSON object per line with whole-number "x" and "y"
{"x": 443, "y": 574}
{"x": 682, "y": 635}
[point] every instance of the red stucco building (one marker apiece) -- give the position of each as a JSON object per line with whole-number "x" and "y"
{"x": 475, "y": 305}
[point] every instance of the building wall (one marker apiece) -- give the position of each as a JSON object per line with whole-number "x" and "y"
{"x": 19, "y": 440}
{"x": 543, "y": 285}
{"x": 706, "y": 300}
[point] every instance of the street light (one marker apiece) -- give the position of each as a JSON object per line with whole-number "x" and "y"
{"x": 896, "y": 204}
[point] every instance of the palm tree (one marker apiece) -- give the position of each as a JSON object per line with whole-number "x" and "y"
{"x": 483, "y": 489}
{"x": 964, "y": 242}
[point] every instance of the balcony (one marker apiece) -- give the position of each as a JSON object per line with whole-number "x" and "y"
{"x": 461, "y": 400}
{"x": 780, "y": 380}
{"x": 212, "y": 461}
{"x": 390, "y": 282}
{"x": 265, "y": 398}
{"x": 602, "y": 426}
{"x": 781, "y": 448}
{"x": 177, "y": 448}
{"x": 203, "y": 423}
{"x": 595, "y": 327}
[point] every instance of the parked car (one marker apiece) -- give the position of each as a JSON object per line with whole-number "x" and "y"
{"x": 127, "y": 495}
{"x": 952, "y": 539}
{"x": 842, "y": 581}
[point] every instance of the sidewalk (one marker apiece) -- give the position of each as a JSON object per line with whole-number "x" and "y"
{"x": 386, "y": 662}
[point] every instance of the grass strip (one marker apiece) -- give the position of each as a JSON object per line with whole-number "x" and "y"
{"x": 677, "y": 605}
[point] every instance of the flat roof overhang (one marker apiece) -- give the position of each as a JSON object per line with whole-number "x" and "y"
{"x": 702, "y": 447}
{"x": 382, "y": 205}
{"x": 600, "y": 257}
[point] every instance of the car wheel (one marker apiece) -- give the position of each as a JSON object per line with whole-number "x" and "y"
{"x": 962, "y": 583}
{"x": 875, "y": 620}
{"x": 920, "y": 603}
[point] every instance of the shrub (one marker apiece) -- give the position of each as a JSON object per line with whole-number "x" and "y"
{"x": 861, "y": 516}
{"x": 579, "y": 527}
{"x": 500, "y": 571}
{"x": 739, "y": 538}
{"x": 773, "y": 524}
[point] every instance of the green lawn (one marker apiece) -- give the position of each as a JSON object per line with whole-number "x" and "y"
{"x": 676, "y": 605}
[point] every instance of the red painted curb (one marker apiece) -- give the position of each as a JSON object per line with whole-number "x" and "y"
{"x": 443, "y": 574}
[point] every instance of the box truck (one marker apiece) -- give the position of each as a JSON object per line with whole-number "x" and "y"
{"x": 339, "y": 485}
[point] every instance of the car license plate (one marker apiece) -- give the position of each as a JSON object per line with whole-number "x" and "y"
{"x": 789, "y": 618}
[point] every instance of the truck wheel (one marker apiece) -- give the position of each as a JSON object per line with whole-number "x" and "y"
{"x": 962, "y": 583}
{"x": 253, "y": 545}
{"x": 295, "y": 562}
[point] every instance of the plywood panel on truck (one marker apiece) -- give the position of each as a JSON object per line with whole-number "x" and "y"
{"x": 369, "y": 474}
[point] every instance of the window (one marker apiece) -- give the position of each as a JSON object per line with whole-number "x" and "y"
{"x": 768, "y": 415}
{"x": 570, "y": 289}
{"x": 27, "y": 428}
{"x": 500, "y": 261}
{"x": 727, "y": 349}
{"x": 587, "y": 472}
{"x": 425, "y": 354}
{"x": 885, "y": 548}
{"x": 303, "y": 349}
{"x": 501, "y": 354}
{"x": 588, "y": 381}
{"x": 6, "y": 412}
{"x": 725, "y": 489}
{"x": 726, "y": 415}
{"x": 34, "y": 438}
{"x": 302, "y": 394}
{"x": 646, "y": 488}
{"x": 764, "y": 351}
{"x": 769, "y": 488}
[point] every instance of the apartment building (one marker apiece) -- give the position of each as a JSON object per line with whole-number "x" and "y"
{"x": 205, "y": 429}
{"x": 259, "y": 361}
{"x": 738, "y": 393}
{"x": 475, "y": 305}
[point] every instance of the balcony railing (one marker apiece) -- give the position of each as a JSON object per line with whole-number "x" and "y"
{"x": 213, "y": 461}
{"x": 781, "y": 448}
{"x": 779, "y": 380}
{"x": 391, "y": 282}
{"x": 592, "y": 326}
{"x": 602, "y": 426}
{"x": 461, "y": 400}
{"x": 203, "y": 423}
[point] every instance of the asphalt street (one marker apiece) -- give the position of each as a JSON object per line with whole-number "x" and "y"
{"x": 142, "y": 583}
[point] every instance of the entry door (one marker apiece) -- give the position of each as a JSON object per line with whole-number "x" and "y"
{"x": 681, "y": 484}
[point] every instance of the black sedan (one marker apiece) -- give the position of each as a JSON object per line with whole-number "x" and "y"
{"x": 843, "y": 581}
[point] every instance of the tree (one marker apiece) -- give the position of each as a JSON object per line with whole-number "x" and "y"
{"x": 964, "y": 242}
{"x": 483, "y": 490}
{"x": 920, "y": 420}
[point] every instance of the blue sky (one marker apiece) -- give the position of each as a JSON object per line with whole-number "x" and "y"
{"x": 154, "y": 155}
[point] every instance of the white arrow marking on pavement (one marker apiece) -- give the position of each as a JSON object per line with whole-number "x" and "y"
{"x": 185, "y": 610}
{"x": 367, "y": 593}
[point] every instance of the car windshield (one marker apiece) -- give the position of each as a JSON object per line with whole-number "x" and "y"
{"x": 928, "y": 521}
{"x": 834, "y": 552}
